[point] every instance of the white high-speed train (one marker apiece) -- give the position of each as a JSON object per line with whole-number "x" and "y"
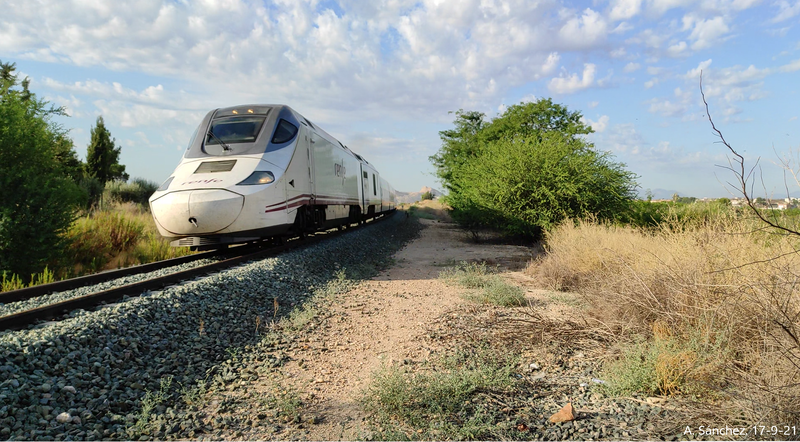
{"x": 260, "y": 171}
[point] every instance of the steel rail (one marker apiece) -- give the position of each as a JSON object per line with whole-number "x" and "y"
{"x": 83, "y": 281}
{"x": 21, "y": 319}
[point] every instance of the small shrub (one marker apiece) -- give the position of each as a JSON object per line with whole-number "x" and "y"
{"x": 655, "y": 368}
{"x": 446, "y": 403}
{"x": 424, "y": 212}
{"x": 488, "y": 287}
{"x": 96, "y": 239}
{"x": 288, "y": 404}
{"x": 11, "y": 282}
{"x": 151, "y": 247}
{"x": 150, "y": 402}
{"x": 469, "y": 275}
{"x": 498, "y": 292}
{"x": 14, "y": 282}
{"x": 138, "y": 191}
{"x": 633, "y": 372}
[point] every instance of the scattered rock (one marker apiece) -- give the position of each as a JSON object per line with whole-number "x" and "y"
{"x": 63, "y": 418}
{"x": 565, "y": 414}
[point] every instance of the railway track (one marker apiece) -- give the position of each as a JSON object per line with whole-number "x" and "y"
{"x": 241, "y": 254}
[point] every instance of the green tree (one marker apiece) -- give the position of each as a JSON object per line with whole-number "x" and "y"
{"x": 37, "y": 195}
{"x": 535, "y": 119}
{"x": 102, "y": 156}
{"x": 529, "y": 169}
{"x": 459, "y": 145}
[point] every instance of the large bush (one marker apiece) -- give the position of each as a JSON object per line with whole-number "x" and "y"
{"x": 529, "y": 169}
{"x": 138, "y": 191}
{"x": 37, "y": 193}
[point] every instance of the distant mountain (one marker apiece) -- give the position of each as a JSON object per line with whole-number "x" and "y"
{"x": 413, "y": 197}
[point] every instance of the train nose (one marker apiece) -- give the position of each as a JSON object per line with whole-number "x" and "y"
{"x": 194, "y": 212}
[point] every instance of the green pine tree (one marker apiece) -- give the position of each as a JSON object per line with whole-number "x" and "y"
{"x": 102, "y": 156}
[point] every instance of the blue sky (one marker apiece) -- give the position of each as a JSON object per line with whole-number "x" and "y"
{"x": 382, "y": 75}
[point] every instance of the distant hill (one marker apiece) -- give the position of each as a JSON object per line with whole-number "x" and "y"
{"x": 412, "y": 197}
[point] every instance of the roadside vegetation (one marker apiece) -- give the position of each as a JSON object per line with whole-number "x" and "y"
{"x": 683, "y": 299}
{"x": 707, "y": 310}
{"x": 450, "y": 400}
{"x": 59, "y": 216}
{"x": 528, "y": 170}
{"x": 485, "y": 285}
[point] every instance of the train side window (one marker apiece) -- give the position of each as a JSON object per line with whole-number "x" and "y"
{"x": 366, "y": 175}
{"x": 374, "y": 187}
{"x": 284, "y": 132}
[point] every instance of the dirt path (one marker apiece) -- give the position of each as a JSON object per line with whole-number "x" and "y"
{"x": 383, "y": 321}
{"x": 311, "y": 381}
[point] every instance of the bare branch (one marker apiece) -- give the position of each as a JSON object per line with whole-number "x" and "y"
{"x": 738, "y": 167}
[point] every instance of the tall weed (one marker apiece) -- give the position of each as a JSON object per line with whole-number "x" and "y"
{"x": 97, "y": 238}
{"x": 717, "y": 299}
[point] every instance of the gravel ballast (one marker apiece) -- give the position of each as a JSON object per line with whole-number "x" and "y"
{"x": 85, "y": 377}
{"x": 56, "y": 297}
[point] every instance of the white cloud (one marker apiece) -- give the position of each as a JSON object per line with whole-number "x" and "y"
{"x": 723, "y": 88}
{"x": 659, "y": 7}
{"x": 624, "y": 9}
{"x": 677, "y": 50}
{"x": 649, "y": 38}
{"x": 631, "y": 67}
{"x": 402, "y": 57}
{"x": 129, "y": 115}
{"x": 584, "y": 31}
{"x": 620, "y": 139}
{"x": 622, "y": 28}
{"x": 706, "y": 33}
{"x": 393, "y": 51}
{"x": 386, "y": 147}
{"x": 598, "y": 126}
{"x": 791, "y": 67}
{"x": 573, "y": 83}
{"x": 70, "y": 104}
{"x": 551, "y": 63}
{"x": 667, "y": 108}
{"x": 618, "y": 53}
{"x": 151, "y": 94}
{"x": 786, "y": 10}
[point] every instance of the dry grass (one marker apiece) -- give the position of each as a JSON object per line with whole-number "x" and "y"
{"x": 121, "y": 235}
{"x": 717, "y": 302}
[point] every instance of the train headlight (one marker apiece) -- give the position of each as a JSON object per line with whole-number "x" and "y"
{"x": 258, "y": 177}
{"x": 166, "y": 184}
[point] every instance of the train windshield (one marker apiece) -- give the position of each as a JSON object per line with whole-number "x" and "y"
{"x": 238, "y": 129}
